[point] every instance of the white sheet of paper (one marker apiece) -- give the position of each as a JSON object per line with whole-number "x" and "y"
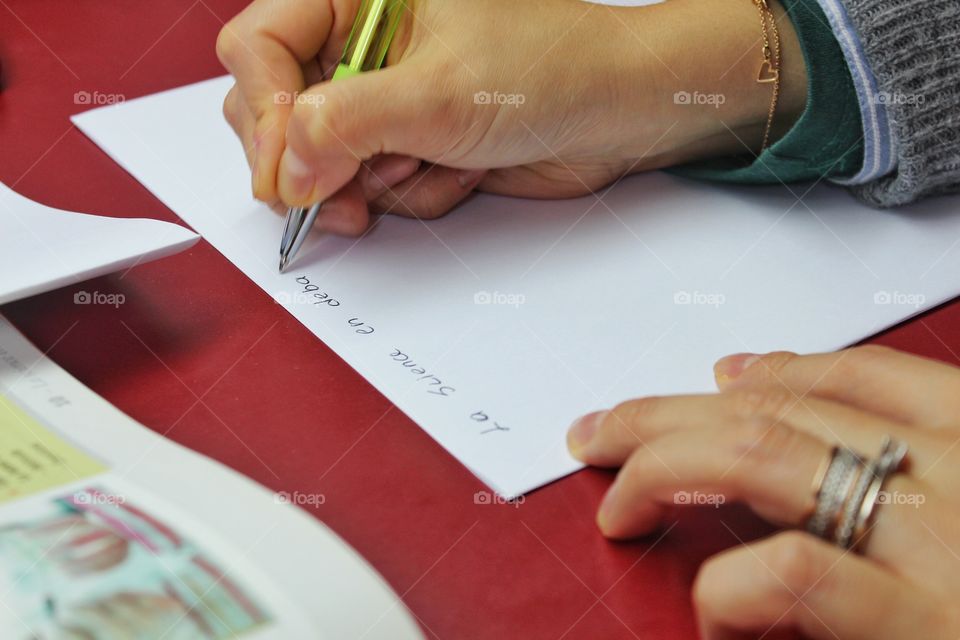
{"x": 42, "y": 248}
{"x": 527, "y": 314}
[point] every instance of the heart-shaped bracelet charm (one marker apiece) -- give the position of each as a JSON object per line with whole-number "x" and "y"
{"x": 768, "y": 73}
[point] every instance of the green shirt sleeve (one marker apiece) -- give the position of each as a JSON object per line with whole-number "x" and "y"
{"x": 827, "y": 139}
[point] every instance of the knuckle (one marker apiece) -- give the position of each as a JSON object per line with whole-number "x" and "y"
{"x": 418, "y": 203}
{"x": 858, "y": 359}
{"x": 794, "y": 559}
{"x": 231, "y": 111}
{"x": 636, "y": 411}
{"x": 629, "y": 417}
{"x": 760, "y": 443}
{"x": 228, "y": 44}
{"x": 872, "y": 351}
{"x": 771, "y": 365}
{"x": 427, "y": 209}
{"x": 767, "y": 402}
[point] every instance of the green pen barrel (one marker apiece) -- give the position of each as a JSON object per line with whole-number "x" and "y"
{"x": 370, "y": 38}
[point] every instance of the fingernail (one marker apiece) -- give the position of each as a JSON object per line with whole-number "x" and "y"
{"x": 299, "y": 176}
{"x": 582, "y": 431}
{"x": 385, "y": 175}
{"x": 729, "y": 368}
{"x": 605, "y": 513}
{"x": 469, "y": 179}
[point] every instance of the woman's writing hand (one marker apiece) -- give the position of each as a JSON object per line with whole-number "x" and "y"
{"x": 761, "y": 441}
{"x": 546, "y": 98}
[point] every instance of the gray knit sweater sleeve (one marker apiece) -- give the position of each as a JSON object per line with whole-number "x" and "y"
{"x": 913, "y": 47}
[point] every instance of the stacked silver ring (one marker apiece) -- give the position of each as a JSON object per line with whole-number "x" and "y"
{"x": 848, "y": 492}
{"x": 833, "y": 490}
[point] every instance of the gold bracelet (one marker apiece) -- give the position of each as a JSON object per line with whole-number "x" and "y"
{"x": 770, "y": 67}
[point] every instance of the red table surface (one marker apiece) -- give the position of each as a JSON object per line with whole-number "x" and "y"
{"x": 200, "y": 354}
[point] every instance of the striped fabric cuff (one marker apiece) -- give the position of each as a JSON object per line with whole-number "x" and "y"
{"x": 879, "y": 139}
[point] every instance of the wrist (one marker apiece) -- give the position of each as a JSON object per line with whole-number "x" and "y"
{"x": 688, "y": 70}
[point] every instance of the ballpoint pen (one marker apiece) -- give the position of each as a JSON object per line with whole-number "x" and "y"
{"x": 366, "y": 50}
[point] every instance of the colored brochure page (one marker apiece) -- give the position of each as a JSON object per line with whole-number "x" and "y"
{"x": 100, "y": 538}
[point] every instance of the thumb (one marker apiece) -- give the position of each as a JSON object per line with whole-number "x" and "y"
{"x": 336, "y": 126}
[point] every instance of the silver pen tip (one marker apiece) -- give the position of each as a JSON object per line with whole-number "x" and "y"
{"x": 283, "y": 263}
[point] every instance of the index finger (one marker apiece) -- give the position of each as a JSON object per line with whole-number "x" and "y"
{"x": 265, "y": 48}
{"x": 896, "y": 385}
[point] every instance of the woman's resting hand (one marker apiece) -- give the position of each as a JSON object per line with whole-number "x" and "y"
{"x": 761, "y": 441}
